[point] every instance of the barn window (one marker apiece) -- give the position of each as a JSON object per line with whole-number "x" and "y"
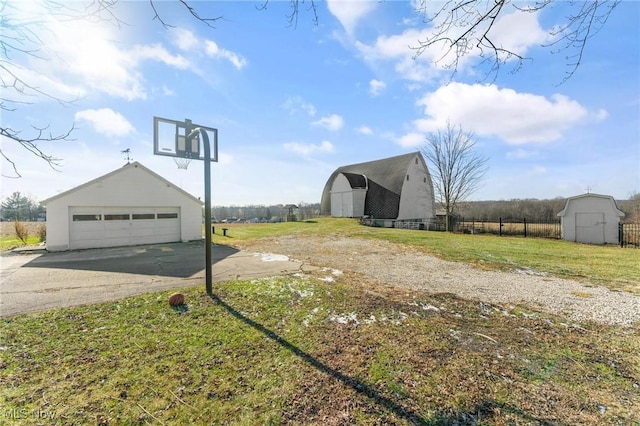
{"x": 116, "y": 216}
{"x": 407, "y": 178}
{"x": 85, "y": 217}
{"x": 138, "y": 216}
{"x": 416, "y": 160}
{"x": 424, "y": 180}
{"x": 167, "y": 215}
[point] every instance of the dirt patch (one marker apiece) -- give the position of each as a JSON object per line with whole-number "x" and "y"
{"x": 401, "y": 266}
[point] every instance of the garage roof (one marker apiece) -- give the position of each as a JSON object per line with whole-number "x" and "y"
{"x": 135, "y": 164}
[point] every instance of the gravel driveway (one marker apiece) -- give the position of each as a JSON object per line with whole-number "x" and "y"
{"x": 402, "y": 266}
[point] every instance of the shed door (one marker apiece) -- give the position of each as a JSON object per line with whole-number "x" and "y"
{"x": 94, "y": 227}
{"x": 590, "y": 228}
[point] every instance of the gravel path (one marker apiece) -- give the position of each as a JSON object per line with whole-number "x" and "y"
{"x": 402, "y": 266}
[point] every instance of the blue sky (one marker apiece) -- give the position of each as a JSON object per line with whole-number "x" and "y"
{"x": 293, "y": 104}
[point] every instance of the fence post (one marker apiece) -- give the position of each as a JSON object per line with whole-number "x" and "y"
{"x": 621, "y": 234}
{"x": 500, "y": 232}
{"x": 525, "y": 227}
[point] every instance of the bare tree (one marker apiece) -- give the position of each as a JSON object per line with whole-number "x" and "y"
{"x": 457, "y": 168}
{"x": 466, "y": 27}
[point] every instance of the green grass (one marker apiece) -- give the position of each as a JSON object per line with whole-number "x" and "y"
{"x": 299, "y": 350}
{"x": 612, "y": 266}
{"x": 8, "y": 243}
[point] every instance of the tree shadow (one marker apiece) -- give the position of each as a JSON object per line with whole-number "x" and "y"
{"x": 355, "y": 384}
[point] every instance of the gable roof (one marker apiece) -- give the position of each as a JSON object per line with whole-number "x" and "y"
{"x": 384, "y": 178}
{"x": 127, "y": 166}
{"x": 614, "y": 207}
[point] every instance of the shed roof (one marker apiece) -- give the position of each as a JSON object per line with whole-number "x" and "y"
{"x": 614, "y": 207}
{"x": 135, "y": 164}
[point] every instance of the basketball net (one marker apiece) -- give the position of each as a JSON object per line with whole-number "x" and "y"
{"x": 182, "y": 163}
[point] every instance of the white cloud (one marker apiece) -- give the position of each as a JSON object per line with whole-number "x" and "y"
{"x": 412, "y": 139}
{"x": 517, "y": 31}
{"x": 376, "y": 87}
{"x": 296, "y": 103}
{"x": 158, "y": 53}
{"x": 184, "y": 39}
{"x": 79, "y": 56}
{"x": 517, "y": 118}
{"x": 364, "y": 130}
{"x": 331, "y": 122}
{"x": 305, "y": 150}
{"x": 350, "y": 12}
{"x": 106, "y": 121}
{"x": 213, "y": 50}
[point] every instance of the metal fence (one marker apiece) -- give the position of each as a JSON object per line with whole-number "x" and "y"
{"x": 629, "y": 235}
{"x": 523, "y": 227}
{"x": 509, "y": 227}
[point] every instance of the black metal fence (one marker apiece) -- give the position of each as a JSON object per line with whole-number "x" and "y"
{"x": 629, "y": 235}
{"x": 510, "y": 227}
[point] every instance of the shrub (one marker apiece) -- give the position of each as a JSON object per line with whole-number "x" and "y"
{"x": 22, "y": 233}
{"x": 42, "y": 233}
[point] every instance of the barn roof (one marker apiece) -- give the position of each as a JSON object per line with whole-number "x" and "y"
{"x": 385, "y": 178}
{"x": 136, "y": 165}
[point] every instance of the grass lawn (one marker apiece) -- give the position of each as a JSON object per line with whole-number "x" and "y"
{"x": 611, "y": 266}
{"x": 324, "y": 349}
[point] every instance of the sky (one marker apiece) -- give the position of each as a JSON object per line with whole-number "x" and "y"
{"x": 294, "y": 102}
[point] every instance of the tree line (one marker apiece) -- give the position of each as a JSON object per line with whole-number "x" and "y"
{"x": 535, "y": 209}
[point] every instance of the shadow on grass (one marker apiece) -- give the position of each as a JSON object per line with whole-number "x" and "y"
{"x": 485, "y": 409}
{"x": 358, "y": 386}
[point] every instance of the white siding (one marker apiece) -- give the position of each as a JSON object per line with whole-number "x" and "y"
{"x": 132, "y": 189}
{"x": 416, "y": 199}
{"x": 590, "y": 218}
{"x": 346, "y": 201}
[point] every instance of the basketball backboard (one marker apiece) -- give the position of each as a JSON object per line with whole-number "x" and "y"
{"x": 170, "y": 139}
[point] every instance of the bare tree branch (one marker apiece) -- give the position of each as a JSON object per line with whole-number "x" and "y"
{"x": 31, "y": 145}
{"x": 192, "y": 10}
{"x": 464, "y": 27}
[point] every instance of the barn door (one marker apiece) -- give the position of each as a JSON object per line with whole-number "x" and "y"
{"x": 590, "y": 228}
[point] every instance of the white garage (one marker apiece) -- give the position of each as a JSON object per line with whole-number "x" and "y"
{"x": 128, "y": 206}
{"x": 591, "y": 219}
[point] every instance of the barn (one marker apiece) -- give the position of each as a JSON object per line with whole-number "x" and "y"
{"x": 398, "y": 188}
{"x": 590, "y": 218}
{"x": 129, "y": 206}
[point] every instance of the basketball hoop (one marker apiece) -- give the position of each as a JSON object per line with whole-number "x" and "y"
{"x": 182, "y": 163}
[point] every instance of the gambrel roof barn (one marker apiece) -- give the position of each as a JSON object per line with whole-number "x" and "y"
{"x": 397, "y": 187}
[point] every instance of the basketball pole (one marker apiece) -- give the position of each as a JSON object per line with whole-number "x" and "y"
{"x": 207, "y": 200}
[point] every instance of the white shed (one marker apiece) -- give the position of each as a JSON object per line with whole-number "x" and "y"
{"x": 129, "y": 206}
{"x": 591, "y": 219}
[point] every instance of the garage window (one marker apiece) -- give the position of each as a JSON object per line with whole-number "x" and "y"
{"x": 167, "y": 215}
{"x": 141, "y": 216}
{"x": 116, "y": 217}
{"x": 85, "y": 217}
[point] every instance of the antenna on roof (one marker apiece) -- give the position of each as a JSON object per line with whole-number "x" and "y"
{"x": 128, "y": 152}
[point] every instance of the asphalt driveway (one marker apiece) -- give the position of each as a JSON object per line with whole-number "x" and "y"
{"x": 36, "y": 281}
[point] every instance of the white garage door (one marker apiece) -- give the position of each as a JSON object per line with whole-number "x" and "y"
{"x": 93, "y": 227}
